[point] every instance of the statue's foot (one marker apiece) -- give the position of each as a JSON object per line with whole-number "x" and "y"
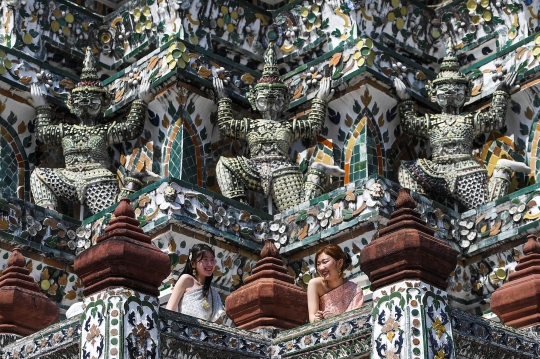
{"x": 328, "y": 170}
{"x": 514, "y": 166}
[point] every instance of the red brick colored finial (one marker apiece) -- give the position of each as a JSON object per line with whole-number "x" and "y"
{"x": 16, "y": 259}
{"x": 407, "y": 249}
{"x": 268, "y": 297}
{"x": 23, "y": 308}
{"x": 404, "y": 199}
{"x": 123, "y": 256}
{"x": 517, "y": 302}
{"x": 269, "y": 249}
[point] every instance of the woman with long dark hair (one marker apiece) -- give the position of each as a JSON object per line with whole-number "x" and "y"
{"x": 330, "y": 294}
{"x": 193, "y": 294}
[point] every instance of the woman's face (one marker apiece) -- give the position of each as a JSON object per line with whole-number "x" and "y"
{"x": 205, "y": 264}
{"x": 327, "y": 267}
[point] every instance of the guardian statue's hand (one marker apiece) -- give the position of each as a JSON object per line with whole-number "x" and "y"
{"x": 509, "y": 81}
{"x": 326, "y": 92}
{"x": 219, "y": 89}
{"x": 145, "y": 93}
{"x": 401, "y": 90}
{"x": 38, "y": 97}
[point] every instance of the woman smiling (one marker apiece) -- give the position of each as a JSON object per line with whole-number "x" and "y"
{"x": 193, "y": 294}
{"x": 330, "y": 294}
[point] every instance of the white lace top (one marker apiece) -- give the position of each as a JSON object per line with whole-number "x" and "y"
{"x": 192, "y": 304}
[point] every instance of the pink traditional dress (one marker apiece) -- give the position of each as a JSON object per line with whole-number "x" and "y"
{"x": 347, "y": 296}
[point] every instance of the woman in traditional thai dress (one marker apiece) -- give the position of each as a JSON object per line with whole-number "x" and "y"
{"x": 193, "y": 294}
{"x": 329, "y": 294}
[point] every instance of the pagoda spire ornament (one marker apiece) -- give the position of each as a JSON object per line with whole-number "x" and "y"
{"x": 269, "y": 168}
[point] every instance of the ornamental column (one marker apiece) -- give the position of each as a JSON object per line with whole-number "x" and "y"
{"x": 24, "y": 310}
{"x": 517, "y": 302}
{"x": 408, "y": 268}
{"x": 121, "y": 276}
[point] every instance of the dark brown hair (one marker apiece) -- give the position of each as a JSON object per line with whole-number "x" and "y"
{"x": 335, "y": 251}
{"x": 196, "y": 253}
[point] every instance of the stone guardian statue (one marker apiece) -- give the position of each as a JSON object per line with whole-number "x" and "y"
{"x": 269, "y": 168}
{"x": 453, "y": 171}
{"x": 86, "y": 177}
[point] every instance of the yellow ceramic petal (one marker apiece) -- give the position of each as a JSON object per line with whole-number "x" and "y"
{"x": 224, "y": 10}
{"x": 395, "y": 3}
{"x": 234, "y": 15}
{"x": 194, "y": 39}
{"x": 3, "y": 70}
{"x": 403, "y": 10}
{"x": 220, "y": 22}
{"x": 181, "y": 46}
{"x": 148, "y": 24}
{"x": 369, "y": 43}
{"x": 315, "y": 8}
{"x": 371, "y": 59}
{"x": 146, "y": 11}
{"x": 391, "y": 16}
{"x": 137, "y": 13}
{"x": 360, "y": 44}
{"x": 70, "y": 18}
{"x": 435, "y": 33}
{"x": 66, "y": 30}
{"x": 487, "y": 15}
{"x": 356, "y": 55}
{"x": 318, "y": 22}
{"x": 471, "y": 5}
{"x": 3, "y": 54}
{"x": 8, "y": 64}
{"x": 105, "y": 37}
{"x": 172, "y": 46}
{"x": 172, "y": 65}
{"x": 360, "y": 62}
{"x": 304, "y": 12}
{"x": 536, "y": 50}
{"x": 484, "y": 3}
{"x": 538, "y": 58}
{"x": 55, "y": 26}
{"x": 309, "y": 26}
{"x": 169, "y": 58}
{"x": 181, "y": 64}
{"x": 400, "y": 23}
{"x": 138, "y": 28}
{"x": 27, "y": 38}
{"x": 57, "y": 13}
{"x": 475, "y": 19}
{"x": 230, "y": 27}
{"x": 537, "y": 39}
{"x": 512, "y": 34}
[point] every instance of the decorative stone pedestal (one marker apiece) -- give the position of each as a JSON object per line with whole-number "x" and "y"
{"x": 269, "y": 297}
{"x": 23, "y": 308}
{"x": 408, "y": 268}
{"x": 517, "y": 302}
{"x": 121, "y": 274}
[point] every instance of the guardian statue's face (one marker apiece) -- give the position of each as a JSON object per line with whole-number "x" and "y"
{"x": 271, "y": 106}
{"x": 451, "y": 95}
{"x": 87, "y": 103}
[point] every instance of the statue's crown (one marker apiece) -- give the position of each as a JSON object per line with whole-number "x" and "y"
{"x": 449, "y": 72}
{"x": 270, "y": 75}
{"x": 89, "y": 78}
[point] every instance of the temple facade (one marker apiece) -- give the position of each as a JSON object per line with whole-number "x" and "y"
{"x": 406, "y": 132}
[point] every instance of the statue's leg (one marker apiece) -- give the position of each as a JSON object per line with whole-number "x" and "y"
{"x": 234, "y": 178}
{"x": 101, "y": 195}
{"x": 499, "y": 182}
{"x": 43, "y": 195}
{"x": 287, "y": 188}
{"x": 471, "y": 189}
{"x": 407, "y": 179}
{"x": 317, "y": 174}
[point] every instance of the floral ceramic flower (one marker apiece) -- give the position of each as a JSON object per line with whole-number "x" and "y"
{"x": 169, "y": 195}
